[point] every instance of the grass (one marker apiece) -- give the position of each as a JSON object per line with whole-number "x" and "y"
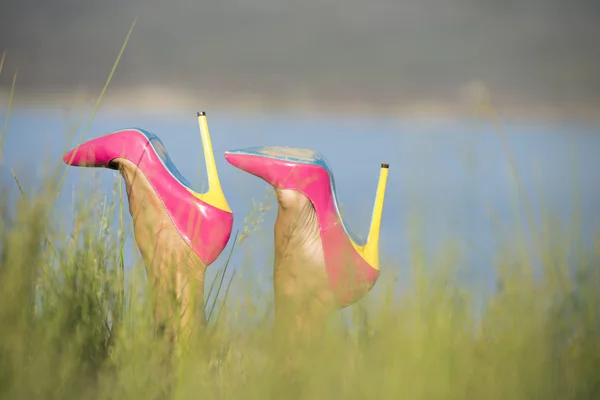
{"x": 80, "y": 329}
{"x": 76, "y": 323}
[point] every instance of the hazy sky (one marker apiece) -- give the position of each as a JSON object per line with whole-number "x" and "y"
{"x": 530, "y": 51}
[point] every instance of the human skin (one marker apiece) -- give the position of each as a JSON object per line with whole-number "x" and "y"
{"x": 318, "y": 266}
{"x": 171, "y": 266}
{"x": 303, "y": 296}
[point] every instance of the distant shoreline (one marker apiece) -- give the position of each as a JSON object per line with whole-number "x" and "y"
{"x": 169, "y": 102}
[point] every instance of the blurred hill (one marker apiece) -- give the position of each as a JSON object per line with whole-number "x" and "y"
{"x": 530, "y": 53}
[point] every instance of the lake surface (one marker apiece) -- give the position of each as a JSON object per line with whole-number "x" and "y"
{"x": 451, "y": 174}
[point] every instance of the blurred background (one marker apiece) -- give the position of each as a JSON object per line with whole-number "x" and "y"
{"x": 362, "y": 82}
{"x": 535, "y": 56}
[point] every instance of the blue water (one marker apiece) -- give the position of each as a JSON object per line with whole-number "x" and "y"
{"x": 451, "y": 175}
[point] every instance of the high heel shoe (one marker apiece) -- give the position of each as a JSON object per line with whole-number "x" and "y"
{"x": 204, "y": 220}
{"x": 352, "y": 265}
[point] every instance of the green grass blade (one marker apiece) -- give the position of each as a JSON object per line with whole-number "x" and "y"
{"x": 222, "y": 278}
{"x": 10, "y": 101}
{"x": 97, "y": 106}
{"x": 2, "y": 61}
{"x": 48, "y": 243}
{"x": 218, "y": 315}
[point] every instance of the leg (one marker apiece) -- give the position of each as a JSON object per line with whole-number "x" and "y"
{"x": 176, "y": 272}
{"x": 303, "y": 298}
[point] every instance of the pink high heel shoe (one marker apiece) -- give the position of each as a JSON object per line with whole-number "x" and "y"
{"x": 306, "y": 171}
{"x": 204, "y": 220}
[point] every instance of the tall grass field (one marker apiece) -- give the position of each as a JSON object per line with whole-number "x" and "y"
{"x": 76, "y": 321}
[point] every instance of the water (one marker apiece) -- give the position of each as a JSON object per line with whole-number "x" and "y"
{"x": 452, "y": 174}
